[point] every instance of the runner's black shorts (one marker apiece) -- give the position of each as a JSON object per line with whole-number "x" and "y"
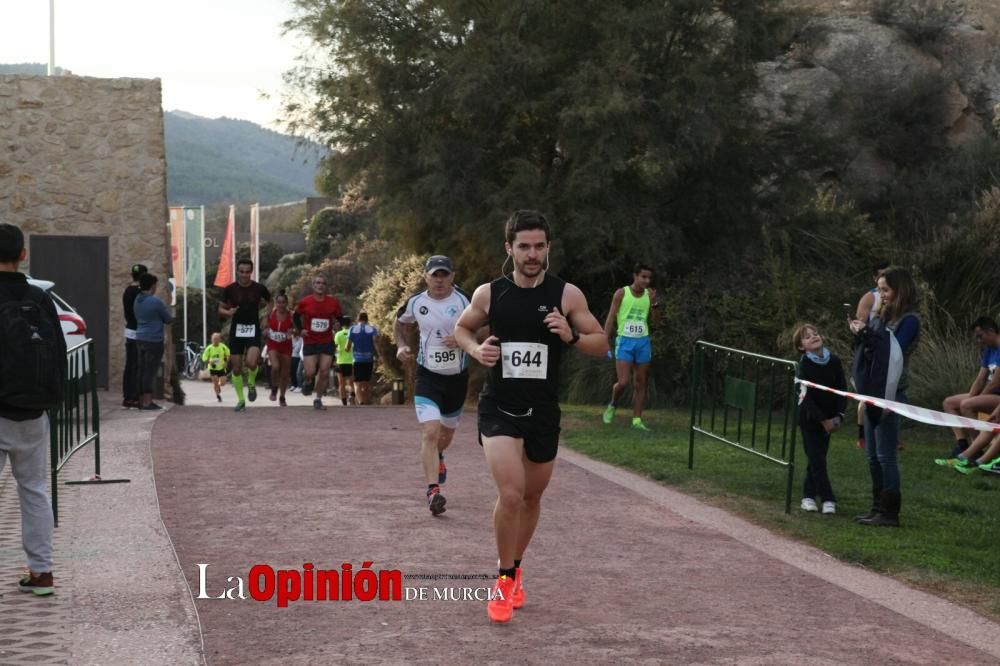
{"x": 363, "y": 371}
{"x": 345, "y": 369}
{"x": 218, "y": 373}
{"x": 538, "y": 427}
{"x": 239, "y": 346}
{"x": 446, "y": 391}
{"x": 324, "y": 348}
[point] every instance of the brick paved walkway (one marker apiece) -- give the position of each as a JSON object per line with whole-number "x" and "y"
{"x": 622, "y": 569}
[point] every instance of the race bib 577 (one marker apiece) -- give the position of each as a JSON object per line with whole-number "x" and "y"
{"x": 246, "y": 330}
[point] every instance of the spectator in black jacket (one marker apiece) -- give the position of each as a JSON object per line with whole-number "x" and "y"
{"x": 24, "y": 429}
{"x": 130, "y": 378}
{"x": 820, "y": 413}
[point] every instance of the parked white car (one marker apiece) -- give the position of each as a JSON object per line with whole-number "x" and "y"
{"x": 73, "y": 327}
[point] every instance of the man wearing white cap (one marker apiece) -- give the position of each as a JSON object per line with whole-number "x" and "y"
{"x": 442, "y": 377}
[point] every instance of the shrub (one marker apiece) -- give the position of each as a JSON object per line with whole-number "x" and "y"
{"x": 332, "y": 230}
{"x": 944, "y": 363}
{"x": 389, "y": 290}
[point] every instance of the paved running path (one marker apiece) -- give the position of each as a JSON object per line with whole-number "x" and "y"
{"x": 613, "y": 575}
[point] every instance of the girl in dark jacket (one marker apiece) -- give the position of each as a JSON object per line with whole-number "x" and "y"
{"x": 820, "y": 413}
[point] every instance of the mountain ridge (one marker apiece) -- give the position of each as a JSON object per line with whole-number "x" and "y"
{"x": 224, "y": 160}
{"x": 235, "y": 161}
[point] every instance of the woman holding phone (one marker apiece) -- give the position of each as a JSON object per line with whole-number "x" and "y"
{"x": 897, "y": 313}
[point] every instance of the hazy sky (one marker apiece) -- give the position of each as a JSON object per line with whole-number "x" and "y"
{"x": 214, "y": 57}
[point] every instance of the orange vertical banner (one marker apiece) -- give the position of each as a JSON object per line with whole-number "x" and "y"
{"x": 177, "y": 245}
{"x": 226, "y": 274}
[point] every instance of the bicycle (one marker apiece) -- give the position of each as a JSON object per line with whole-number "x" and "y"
{"x": 192, "y": 359}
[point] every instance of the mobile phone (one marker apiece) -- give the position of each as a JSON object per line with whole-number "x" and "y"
{"x": 849, "y": 310}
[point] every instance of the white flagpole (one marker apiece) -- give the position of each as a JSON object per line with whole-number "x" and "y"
{"x": 204, "y": 287}
{"x": 184, "y": 267}
{"x": 232, "y": 243}
{"x": 256, "y": 242}
{"x": 52, "y": 37}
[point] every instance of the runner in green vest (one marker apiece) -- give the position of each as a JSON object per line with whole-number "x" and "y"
{"x": 216, "y": 356}
{"x": 345, "y": 363}
{"x": 629, "y": 321}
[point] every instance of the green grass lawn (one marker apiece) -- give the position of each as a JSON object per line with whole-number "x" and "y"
{"x": 947, "y": 543}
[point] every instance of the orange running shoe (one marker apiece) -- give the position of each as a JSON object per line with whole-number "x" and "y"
{"x": 518, "y": 596}
{"x": 501, "y": 607}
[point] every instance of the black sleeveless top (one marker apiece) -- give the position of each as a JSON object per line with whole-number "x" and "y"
{"x": 517, "y": 315}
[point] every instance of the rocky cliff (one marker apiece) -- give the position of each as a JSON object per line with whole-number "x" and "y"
{"x": 849, "y": 70}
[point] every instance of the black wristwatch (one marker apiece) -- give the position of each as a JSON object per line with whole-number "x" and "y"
{"x": 575, "y": 339}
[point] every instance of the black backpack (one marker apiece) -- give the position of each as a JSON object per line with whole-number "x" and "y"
{"x": 32, "y": 360}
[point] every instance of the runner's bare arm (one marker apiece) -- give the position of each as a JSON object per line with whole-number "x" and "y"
{"x": 226, "y": 310}
{"x": 474, "y": 317}
{"x": 593, "y": 340}
{"x": 400, "y": 332}
{"x": 655, "y": 313}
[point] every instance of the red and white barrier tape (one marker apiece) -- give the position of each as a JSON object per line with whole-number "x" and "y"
{"x": 921, "y": 414}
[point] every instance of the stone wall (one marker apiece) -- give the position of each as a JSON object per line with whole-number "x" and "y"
{"x": 82, "y": 156}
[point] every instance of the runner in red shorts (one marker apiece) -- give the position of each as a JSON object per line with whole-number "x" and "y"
{"x": 317, "y": 316}
{"x": 279, "y": 347}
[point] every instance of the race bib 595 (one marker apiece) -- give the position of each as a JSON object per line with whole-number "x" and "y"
{"x": 440, "y": 359}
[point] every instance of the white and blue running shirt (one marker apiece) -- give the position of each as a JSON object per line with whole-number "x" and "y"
{"x": 436, "y": 320}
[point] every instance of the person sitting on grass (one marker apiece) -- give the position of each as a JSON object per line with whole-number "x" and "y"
{"x": 984, "y": 394}
{"x": 988, "y": 460}
{"x": 982, "y": 455}
{"x": 820, "y": 413}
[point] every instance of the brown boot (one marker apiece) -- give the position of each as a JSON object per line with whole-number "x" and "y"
{"x": 872, "y": 512}
{"x": 889, "y": 514}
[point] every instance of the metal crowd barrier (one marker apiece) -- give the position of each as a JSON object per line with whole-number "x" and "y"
{"x": 76, "y": 421}
{"x": 747, "y": 401}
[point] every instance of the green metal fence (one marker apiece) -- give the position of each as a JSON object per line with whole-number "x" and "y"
{"x": 76, "y": 421}
{"x": 747, "y": 401}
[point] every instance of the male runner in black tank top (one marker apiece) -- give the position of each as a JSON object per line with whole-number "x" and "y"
{"x": 533, "y": 317}
{"x": 243, "y": 301}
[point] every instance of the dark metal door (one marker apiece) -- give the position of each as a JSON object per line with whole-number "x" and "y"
{"x": 79, "y": 267}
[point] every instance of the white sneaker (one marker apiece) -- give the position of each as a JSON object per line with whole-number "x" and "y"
{"x": 809, "y": 504}
{"x": 829, "y": 508}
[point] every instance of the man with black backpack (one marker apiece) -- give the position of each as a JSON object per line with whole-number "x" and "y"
{"x": 32, "y": 374}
